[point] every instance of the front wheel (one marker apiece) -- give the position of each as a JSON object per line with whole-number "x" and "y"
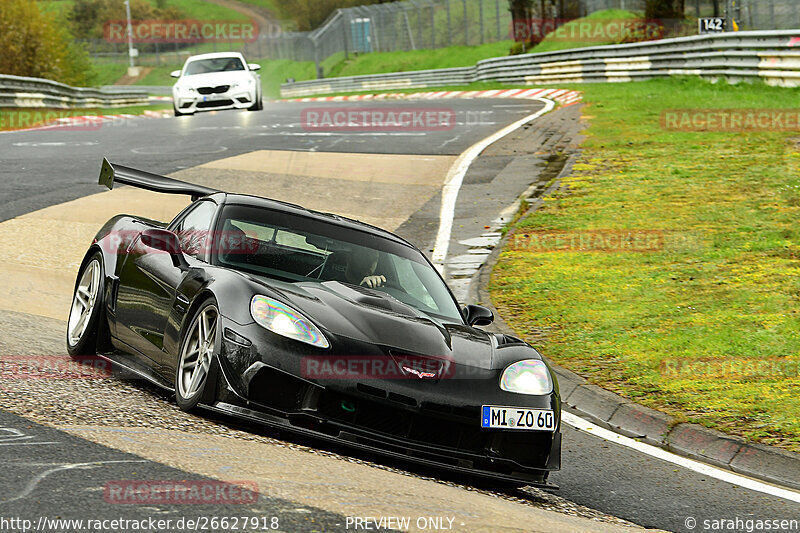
{"x": 258, "y": 105}
{"x": 87, "y": 304}
{"x": 200, "y": 343}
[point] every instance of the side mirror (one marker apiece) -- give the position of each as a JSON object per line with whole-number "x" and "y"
{"x": 477, "y": 315}
{"x": 254, "y": 66}
{"x": 165, "y": 241}
{"x": 175, "y": 73}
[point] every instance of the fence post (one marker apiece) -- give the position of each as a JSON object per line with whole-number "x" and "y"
{"x": 497, "y": 14}
{"x": 480, "y": 19}
{"x": 449, "y": 35}
{"x": 433, "y": 25}
{"x": 772, "y": 24}
{"x": 345, "y": 25}
{"x": 466, "y": 23}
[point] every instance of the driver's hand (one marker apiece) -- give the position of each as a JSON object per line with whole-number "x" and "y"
{"x": 373, "y": 281}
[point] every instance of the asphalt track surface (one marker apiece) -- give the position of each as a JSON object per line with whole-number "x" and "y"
{"x": 50, "y": 475}
{"x": 47, "y": 167}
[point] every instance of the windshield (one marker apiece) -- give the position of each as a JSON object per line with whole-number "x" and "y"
{"x": 296, "y": 248}
{"x": 217, "y": 64}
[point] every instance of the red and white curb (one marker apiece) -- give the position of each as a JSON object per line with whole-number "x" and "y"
{"x": 562, "y": 96}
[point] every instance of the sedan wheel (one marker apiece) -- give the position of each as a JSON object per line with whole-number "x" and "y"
{"x": 86, "y": 307}
{"x": 197, "y": 353}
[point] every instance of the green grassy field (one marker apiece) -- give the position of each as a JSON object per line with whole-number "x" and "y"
{"x": 705, "y": 326}
{"x": 381, "y": 62}
{"x": 108, "y": 73}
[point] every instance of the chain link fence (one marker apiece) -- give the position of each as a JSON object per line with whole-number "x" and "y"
{"x": 429, "y": 24}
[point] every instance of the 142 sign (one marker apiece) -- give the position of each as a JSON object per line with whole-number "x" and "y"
{"x": 711, "y": 24}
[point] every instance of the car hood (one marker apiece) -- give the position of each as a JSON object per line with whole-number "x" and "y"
{"x": 213, "y": 79}
{"x": 374, "y": 317}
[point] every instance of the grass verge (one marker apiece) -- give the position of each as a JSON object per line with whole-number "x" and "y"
{"x": 16, "y": 118}
{"x": 705, "y": 324}
{"x": 405, "y": 61}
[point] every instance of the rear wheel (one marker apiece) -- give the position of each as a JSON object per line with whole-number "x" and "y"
{"x": 86, "y": 310}
{"x": 199, "y": 346}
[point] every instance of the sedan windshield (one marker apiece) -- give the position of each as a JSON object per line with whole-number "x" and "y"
{"x": 297, "y": 248}
{"x": 217, "y": 64}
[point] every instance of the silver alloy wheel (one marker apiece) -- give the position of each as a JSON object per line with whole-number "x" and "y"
{"x": 83, "y": 302}
{"x": 197, "y": 352}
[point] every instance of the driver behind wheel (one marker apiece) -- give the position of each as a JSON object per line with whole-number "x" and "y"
{"x": 360, "y": 269}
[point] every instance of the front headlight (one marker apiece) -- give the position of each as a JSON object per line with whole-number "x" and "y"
{"x": 527, "y": 377}
{"x": 281, "y": 319}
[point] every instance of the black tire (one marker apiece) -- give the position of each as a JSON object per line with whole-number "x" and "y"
{"x": 258, "y": 105}
{"x": 188, "y": 393}
{"x": 179, "y": 114}
{"x": 83, "y": 324}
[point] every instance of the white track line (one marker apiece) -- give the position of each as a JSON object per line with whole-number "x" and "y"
{"x": 690, "y": 464}
{"x": 455, "y": 176}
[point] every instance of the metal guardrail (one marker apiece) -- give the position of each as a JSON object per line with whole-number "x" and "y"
{"x": 155, "y": 90}
{"x": 19, "y": 91}
{"x": 773, "y": 56}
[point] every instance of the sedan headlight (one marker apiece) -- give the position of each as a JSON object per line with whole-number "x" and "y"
{"x": 281, "y": 319}
{"x": 527, "y": 377}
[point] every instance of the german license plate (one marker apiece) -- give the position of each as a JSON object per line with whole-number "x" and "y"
{"x": 495, "y": 416}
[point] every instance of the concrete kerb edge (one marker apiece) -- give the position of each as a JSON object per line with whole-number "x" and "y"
{"x": 613, "y": 412}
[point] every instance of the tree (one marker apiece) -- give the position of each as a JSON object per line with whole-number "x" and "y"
{"x": 664, "y": 9}
{"x": 36, "y": 44}
{"x": 88, "y": 17}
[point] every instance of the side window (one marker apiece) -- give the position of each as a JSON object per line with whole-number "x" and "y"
{"x": 194, "y": 230}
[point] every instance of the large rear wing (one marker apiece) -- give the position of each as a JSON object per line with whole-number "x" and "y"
{"x": 110, "y": 174}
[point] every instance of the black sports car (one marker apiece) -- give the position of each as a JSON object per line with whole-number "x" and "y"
{"x": 316, "y": 323}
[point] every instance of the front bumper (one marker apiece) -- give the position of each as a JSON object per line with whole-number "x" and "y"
{"x": 232, "y": 99}
{"x": 433, "y": 423}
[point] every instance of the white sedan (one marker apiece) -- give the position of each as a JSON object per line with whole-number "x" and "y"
{"x": 216, "y": 81}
